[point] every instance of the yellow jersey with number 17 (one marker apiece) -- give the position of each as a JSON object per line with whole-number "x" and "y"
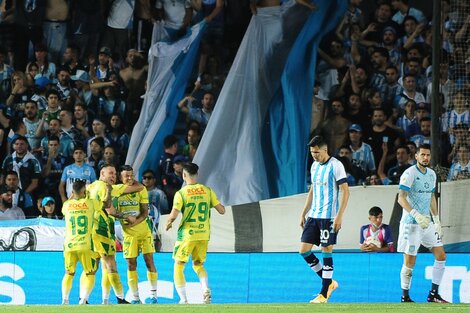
{"x": 195, "y": 201}
{"x": 78, "y": 216}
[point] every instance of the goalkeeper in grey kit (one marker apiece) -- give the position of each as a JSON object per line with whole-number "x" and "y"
{"x": 416, "y": 196}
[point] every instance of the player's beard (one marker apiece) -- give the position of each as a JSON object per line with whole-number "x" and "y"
{"x": 423, "y": 165}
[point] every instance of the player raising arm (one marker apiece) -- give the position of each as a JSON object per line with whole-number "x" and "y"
{"x": 194, "y": 201}
{"x": 416, "y": 196}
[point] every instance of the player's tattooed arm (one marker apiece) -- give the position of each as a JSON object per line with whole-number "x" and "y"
{"x": 402, "y": 194}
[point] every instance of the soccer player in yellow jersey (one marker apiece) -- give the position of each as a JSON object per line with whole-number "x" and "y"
{"x": 194, "y": 201}
{"x": 104, "y": 238}
{"x": 78, "y": 215}
{"x": 137, "y": 230}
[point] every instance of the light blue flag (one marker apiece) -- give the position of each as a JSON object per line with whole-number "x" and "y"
{"x": 170, "y": 65}
{"x": 287, "y": 133}
{"x": 254, "y": 146}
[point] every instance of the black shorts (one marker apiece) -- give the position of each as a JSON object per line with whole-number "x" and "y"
{"x": 319, "y": 231}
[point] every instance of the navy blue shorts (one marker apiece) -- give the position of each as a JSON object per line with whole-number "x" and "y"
{"x": 319, "y": 231}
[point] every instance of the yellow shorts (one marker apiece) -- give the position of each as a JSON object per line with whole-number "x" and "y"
{"x": 104, "y": 246}
{"x": 197, "y": 249}
{"x": 133, "y": 245}
{"x": 85, "y": 257}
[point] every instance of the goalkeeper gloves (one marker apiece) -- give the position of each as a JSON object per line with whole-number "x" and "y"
{"x": 422, "y": 220}
{"x": 437, "y": 224}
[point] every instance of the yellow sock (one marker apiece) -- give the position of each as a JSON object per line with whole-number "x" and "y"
{"x": 105, "y": 283}
{"x": 82, "y": 284}
{"x": 66, "y": 286}
{"x": 89, "y": 284}
{"x": 133, "y": 282}
{"x": 153, "y": 279}
{"x": 115, "y": 281}
{"x": 178, "y": 275}
{"x": 202, "y": 274}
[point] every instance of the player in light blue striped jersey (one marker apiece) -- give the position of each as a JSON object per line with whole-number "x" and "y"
{"x": 325, "y": 208}
{"x": 416, "y": 196}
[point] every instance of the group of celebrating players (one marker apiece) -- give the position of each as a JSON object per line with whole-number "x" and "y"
{"x": 90, "y": 215}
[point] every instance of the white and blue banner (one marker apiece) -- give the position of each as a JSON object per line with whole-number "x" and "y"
{"x": 254, "y": 146}
{"x": 35, "y": 278}
{"x": 170, "y": 65}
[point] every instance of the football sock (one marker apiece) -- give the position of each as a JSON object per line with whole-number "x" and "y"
{"x": 327, "y": 272}
{"x": 89, "y": 284}
{"x": 82, "y": 284}
{"x": 115, "y": 282}
{"x": 180, "y": 281}
{"x": 202, "y": 274}
{"x": 313, "y": 262}
{"x": 66, "y": 286}
{"x": 153, "y": 279}
{"x": 105, "y": 283}
{"x": 437, "y": 273}
{"x": 133, "y": 281}
{"x": 405, "y": 279}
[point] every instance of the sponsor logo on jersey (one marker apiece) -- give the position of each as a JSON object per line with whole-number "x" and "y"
{"x": 195, "y": 191}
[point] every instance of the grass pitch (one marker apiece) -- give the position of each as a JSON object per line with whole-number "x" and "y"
{"x": 245, "y": 308}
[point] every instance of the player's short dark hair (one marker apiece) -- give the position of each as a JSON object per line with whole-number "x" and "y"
{"x": 99, "y": 141}
{"x": 53, "y": 138}
{"x": 52, "y": 92}
{"x": 11, "y": 172}
{"x": 410, "y": 17}
{"x": 79, "y": 147}
{"x": 126, "y": 168}
{"x": 317, "y": 141}
{"x": 375, "y": 211}
{"x": 405, "y": 147}
{"x": 78, "y": 185}
{"x": 424, "y": 146}
{"x": 191, "y": 168}
{"x": 169, "y": 141}
{"x": 15, "y": 124}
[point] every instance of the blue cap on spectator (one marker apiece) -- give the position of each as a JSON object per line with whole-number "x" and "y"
{"x": 81, "y": 75}
{"x": 42, "y": 81}
{"x": 355, "y": 128}
{"x": 180, "y": 158}
{"x": 46, "y": 200}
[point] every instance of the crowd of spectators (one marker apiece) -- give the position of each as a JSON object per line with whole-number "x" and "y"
{"x": 73, "y": 76}
{"x": 373, "y": 91}
{"x": 72, "y": 79}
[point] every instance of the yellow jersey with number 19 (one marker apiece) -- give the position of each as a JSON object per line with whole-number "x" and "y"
{"x": 195, "y": 201}
{"x": 78, "y": 216}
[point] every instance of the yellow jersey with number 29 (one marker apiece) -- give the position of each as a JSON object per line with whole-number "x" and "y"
{"x": 194, "y": 201}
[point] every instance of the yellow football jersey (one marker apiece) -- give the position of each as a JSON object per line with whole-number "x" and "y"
{"x": 129, "y": 204}
{"x": 79, "y": 220}
{"x": 104, "y": 223}
{"x": 195, "y": 202}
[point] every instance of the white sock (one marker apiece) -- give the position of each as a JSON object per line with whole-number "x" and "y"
{"x": 182, "y": 293}
{"x": 405, "y": 277}
{"x": 438, "y": 271}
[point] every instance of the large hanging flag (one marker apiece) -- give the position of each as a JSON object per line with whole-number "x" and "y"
{"x": 254, "y": 146}
{"x": 170, "y": 65}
